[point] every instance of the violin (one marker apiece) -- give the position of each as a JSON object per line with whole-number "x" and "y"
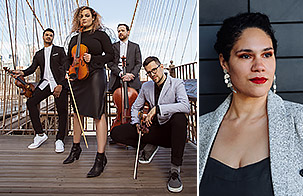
{"x": 142, "y": 130}
{"x": 27, "y": 88}
{"x": 123, "y": 98}
{"x": 78, "y": 69}
{"x": 142, "y": 116}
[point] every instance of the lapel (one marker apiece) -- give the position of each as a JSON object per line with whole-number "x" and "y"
{"x": 128, "y": 51}
{"x": 165, "y": 88}
{"x": 51, "y": 58}
{"x": 151, "y": 94}
{"x": 279, "y": 122}
{"x": 43, "y": 57}
{"x": 210, "y": 131}
{"x": 42, "y": 66}
{"x": 118, "y": 47}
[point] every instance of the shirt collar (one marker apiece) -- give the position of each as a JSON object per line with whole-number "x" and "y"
{"x": 49, "y": 47}
{"x": 123, "y": 43}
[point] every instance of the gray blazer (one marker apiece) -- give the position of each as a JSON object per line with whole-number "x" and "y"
{"x": 285, "y": 123}
{"x": 172, "y": 99}
{"x": 133, "y": 64}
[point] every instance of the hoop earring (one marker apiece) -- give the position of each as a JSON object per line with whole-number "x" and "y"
{"x": 227, "y": 80}
{"x": 274, "y": 86}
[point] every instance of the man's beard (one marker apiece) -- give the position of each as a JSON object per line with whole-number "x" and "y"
{"x": 122, "y": 38}
{"x": 48, "y": 42}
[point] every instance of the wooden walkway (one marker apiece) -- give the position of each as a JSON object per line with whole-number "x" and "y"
{"x": 41, "y": 172}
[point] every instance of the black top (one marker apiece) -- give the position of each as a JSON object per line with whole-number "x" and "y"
{"x": 158, "y": 90}
{"x": 97, "y": 43}
{"x": 90, "y": 93}
{"x": 221, "y": 180}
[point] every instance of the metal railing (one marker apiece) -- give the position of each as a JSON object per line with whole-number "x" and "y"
{"x": 187, "y": 72}
{"x": 14, "y": 116}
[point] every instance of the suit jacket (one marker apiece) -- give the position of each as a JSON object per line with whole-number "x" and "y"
{"x": 285, "y": 124}
{"x": 57, "y": 64}
{"x": 172, "y": 99}
{"x": 133, "y": 64}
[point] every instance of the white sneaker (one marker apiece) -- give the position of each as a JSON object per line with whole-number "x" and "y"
{"x": 38, "y": 140}
{"x": 59, "y": 146}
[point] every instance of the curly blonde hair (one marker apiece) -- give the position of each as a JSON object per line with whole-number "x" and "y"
{"x": 97, "y": 24}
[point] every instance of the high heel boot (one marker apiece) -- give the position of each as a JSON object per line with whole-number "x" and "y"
{"x": 99, "y": 165}
{"x": 74, "y": 154}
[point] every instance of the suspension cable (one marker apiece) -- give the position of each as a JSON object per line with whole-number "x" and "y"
{"x": 171, "y": 31}
{"x": 189, "y": 32}
{"x": 179, "y": 29}
{"x": 34, "y": 14}
{"x": 131, "y": 24}
{"x": 10, "y": 35}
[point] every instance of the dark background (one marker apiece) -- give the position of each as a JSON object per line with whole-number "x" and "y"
{"x": 287, "y": 20}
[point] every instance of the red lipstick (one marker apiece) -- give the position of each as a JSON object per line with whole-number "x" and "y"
{"x": 258, "y": 80}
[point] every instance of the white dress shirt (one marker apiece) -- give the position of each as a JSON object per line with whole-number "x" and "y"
{"x": 123, "y": 52}
{"x": 48, "y": 78}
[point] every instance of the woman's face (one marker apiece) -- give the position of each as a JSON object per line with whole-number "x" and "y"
{"x": 86, "y": 18}
{"x": 252, "y": 63}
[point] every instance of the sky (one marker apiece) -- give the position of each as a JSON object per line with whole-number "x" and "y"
{"x": 114, "y": 12}
{"x": 123, "y": 12}
{"x": 150, "y": 34}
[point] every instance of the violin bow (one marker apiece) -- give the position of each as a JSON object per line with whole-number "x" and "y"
{"x": 139, "y": 140}
{"x": 76, "y": 107}
{"x": 137, "y": 157}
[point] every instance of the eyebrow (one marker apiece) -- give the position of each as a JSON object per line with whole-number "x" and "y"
{"x": 249, "y": 50}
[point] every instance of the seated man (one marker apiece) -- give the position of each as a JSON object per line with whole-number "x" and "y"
{"x": 166, "y": 120}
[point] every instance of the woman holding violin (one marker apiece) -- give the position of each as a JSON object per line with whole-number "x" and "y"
{"x": 89, "y": 90}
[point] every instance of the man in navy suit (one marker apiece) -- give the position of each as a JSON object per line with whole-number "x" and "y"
{"x": 51, "y": 60}
{"x": 131, "y": 51}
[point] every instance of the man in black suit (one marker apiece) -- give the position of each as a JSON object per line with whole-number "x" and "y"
{"x": 51, "y": 60}
{"x": 131, "y": 51}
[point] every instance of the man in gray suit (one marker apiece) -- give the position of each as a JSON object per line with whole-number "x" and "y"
{"x": 131, "y": 51}
{"x": 166, "y": 120}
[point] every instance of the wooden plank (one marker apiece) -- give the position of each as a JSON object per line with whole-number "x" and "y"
{"x": 41, "y": 172}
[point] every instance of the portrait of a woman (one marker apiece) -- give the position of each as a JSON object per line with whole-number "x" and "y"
{"x": 252, "y": 144}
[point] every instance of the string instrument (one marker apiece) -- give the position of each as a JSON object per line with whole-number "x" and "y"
{"x": 27, "y": 89}
{"x": 123, "y": 98}
{"x": 142, "y": 130}
{"x": 78, "y": 69}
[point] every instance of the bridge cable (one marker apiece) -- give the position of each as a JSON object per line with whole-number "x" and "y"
{"x": 189, "y": 32}
{"x": 179, "y": 29}
{"x": 172, "y": 27}
{"x": 9, "y": 28}
{"x": 35, "y": 14}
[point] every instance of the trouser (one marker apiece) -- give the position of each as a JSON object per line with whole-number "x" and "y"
{"x": 117, "y": 84}
{"x": 170, "y": 135}
{"x": 61, "y": 104}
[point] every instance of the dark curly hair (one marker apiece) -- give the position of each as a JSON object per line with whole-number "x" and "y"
{"x": 233, "y": 28}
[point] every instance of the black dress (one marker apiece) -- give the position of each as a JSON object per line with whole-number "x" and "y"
{"x": 221, "y": 180}
{"x": 90, "y": 92}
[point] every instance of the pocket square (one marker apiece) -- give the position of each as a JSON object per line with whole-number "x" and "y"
{"x": 55, "y": 54}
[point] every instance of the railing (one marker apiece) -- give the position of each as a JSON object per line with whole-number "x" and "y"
{"x": 15, "y": 118}
{"x": 187, "y": 72}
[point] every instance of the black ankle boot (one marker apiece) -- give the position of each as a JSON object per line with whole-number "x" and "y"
{"x": 74, "y": 154}
{"x": 99, "y": 165}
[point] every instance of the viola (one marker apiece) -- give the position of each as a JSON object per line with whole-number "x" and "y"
{"x": 123, "y": 98}
{"x": 142, "y": 130}
{"x": 78, "y": 69}
{"x": 27, "y": 89}
{"x": 142, "y": 116}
